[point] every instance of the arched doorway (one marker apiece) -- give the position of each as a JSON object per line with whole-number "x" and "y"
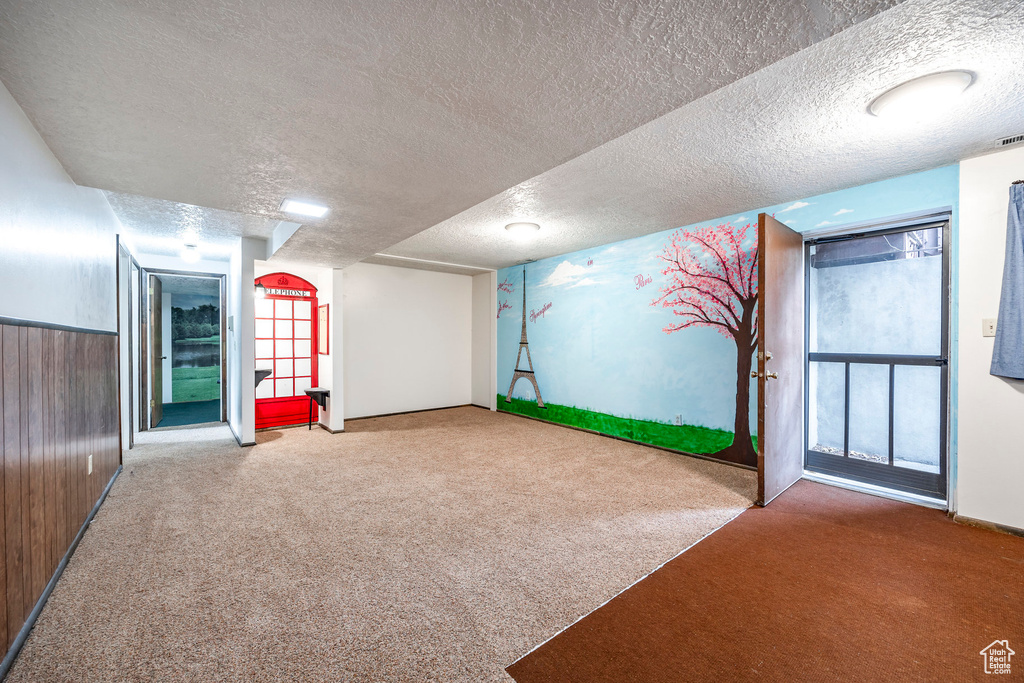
{"x": 286, "y": 345}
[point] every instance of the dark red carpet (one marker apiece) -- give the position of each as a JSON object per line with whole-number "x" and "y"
{"x": 823, "y": 585}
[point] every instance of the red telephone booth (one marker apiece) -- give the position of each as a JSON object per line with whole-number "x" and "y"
{"x": 286, "y": 345}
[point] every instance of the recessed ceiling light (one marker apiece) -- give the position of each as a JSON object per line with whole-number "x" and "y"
{"x": 922, "y": 97}
{"x": 303, "y": 208}
{"x": 190, "y": 254}
{"x": 522, "y": 231}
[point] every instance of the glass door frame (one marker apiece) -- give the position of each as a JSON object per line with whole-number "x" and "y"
{"x": 907, "y": 480}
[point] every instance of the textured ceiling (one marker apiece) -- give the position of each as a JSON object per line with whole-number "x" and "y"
{"x": 397, "y": 114}
{"x": 156, "y": 226}
{"x": 795, "y": 129}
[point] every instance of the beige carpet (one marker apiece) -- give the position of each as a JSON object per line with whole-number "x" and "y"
{"x": 437, "y": 546}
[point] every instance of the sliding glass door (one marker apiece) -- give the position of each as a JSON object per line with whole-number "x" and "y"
{"x": 877, "y": 363}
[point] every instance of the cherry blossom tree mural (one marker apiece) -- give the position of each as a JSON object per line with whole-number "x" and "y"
{"x": 712, "y": 282}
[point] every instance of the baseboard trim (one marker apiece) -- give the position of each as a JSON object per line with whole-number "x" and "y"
{"x": 410, "y": 412}
{"x": 238, "y": 438}
{"x": 329, "y": 430}
{"x": 26, "y": 629}
{"x": 275, "y": 428}
{"x": 639, "y": 443}
{"x": 991, "y": 526}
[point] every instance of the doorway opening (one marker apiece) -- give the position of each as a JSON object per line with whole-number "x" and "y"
{"x": 186, "y": 369}
{"x": 877, "y": 364}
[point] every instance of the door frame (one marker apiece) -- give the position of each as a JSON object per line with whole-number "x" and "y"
{"x": 130, "y": 333}
{"x": 144, "y": 339}
{"x": 859, "y": 472}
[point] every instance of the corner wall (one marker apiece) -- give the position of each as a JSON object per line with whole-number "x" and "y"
{"x": 241, "y": 344}
{"x": 58, "y": 387}
{"x": 407, "y": 340}
{"x": 485, "y": 336}
{"x": 990, "y": 457}
{"x": 58, "y": 247}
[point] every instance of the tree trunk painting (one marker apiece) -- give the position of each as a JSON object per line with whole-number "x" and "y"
{"x": 713, "y": 283}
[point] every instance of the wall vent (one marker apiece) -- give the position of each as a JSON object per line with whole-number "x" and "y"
{"x": 1012, "y": 140}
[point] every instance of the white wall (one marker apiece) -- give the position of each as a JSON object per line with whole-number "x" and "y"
{"x": 485, "y": 336}
{"x": 241, "y": 359}
{"x": 332, "y": 365}
{"x": 58, "y": 248}
{"x": 990, "y": 450}
{"x": 407, "y": 340}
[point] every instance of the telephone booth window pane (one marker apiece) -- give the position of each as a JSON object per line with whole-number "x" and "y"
{"x": 265, "y": 389}
{"x": 283, "y": 348}
{"x": 301, "y": 384}
{"x": 283, "y": 329}
{"x": 264, "y": 348}
{"x": 303, "y": 329}
{"x": 264, "y": 329}
{"x": 264, "y": 308}
{"x": 282, "y": 308}
{"x": 283, "y": 388}
{"x": 303, "y": 348}
{"x": 283, "y": 368}
{"x": 303, "y": 367}
{"x": 303, "y": 310}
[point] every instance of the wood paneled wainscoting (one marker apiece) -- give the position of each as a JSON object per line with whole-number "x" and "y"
{"x": 59, "y": 398}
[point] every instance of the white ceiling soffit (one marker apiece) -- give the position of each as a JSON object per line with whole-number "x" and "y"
{"x": 421, "y": 264}
{"x": 187, "y": 284}
{"x": 163, "y": 228}
{"x": 395, "y": 114}
{"x": 793, "y": 130}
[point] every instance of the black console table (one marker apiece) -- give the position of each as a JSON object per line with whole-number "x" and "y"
{"x": 319, "y": 396}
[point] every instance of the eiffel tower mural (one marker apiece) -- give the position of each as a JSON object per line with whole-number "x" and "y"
{"x": 524, "y": 346}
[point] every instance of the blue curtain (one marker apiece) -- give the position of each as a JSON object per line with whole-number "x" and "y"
{"x": 1008, "y": 355}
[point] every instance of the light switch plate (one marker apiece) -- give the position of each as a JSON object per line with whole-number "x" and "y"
{"x": 988, "y": 327}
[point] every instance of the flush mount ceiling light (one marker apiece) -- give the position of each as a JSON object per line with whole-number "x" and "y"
{"x": 190, "y": 254}
{"x": 522, "y": 231}
{"x": 921, "y": 98}
{"x": 300, "y": 208}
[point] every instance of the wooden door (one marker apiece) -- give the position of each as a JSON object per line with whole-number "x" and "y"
{"x": 780, "y": 358}
{"x": 156, "y": 347}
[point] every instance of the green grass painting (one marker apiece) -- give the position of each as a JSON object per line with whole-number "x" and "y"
{"x": 686, "y": 438}
{"x": 195, "y": 384}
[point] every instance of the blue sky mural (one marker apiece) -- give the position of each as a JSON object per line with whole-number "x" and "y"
{"x": 598, "y": 344}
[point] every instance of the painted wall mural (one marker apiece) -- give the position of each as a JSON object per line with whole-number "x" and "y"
{"x": 653, "y": 338}
{"x": 711, "y": 281}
